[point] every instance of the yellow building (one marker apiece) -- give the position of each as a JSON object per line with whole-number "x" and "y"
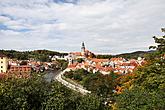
{"x": 3, "y": 63}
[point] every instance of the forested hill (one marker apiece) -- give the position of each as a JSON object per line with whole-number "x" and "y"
{"x": 42, "y": 55}
{"x": 134, "y": 55}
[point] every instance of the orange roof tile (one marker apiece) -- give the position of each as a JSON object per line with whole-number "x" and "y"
{"x": 2, "y": 75}
{"x": 116, "y": 59}
{"x": 72, "y": 65}
{"x": 99, "y": 60}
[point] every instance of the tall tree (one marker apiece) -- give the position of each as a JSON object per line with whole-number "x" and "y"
{"x": 160, "y": 41}
{"x": 148, "y": 89}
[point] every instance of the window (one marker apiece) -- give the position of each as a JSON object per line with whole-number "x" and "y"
{"x": 1, "y": 66}
{"x": 1, "y": 71}
{"x": 1, "y": 61}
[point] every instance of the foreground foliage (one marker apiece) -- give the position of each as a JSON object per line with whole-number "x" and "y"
{"x": 37, "y": 94}
{"x": 147, "y": 92}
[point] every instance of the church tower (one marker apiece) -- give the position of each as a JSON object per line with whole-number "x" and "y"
{"x": 83, "y": 49}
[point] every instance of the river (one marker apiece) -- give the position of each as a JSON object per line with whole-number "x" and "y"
{"x": 49, "y": 76}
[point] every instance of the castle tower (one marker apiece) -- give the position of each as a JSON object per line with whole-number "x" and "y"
{"x": 83, "y": 49}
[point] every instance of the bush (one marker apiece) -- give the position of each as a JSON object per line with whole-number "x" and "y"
{"x": 77, "y": 77}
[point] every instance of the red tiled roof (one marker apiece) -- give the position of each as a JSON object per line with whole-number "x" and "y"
{"x": 116, "y": 59}
{"x": 86, "y": 64}
{"x": 2, "y": 75}
{"x": 72, "y": 65}
{"x": 125, "y": 64}
{"x": 25, "y": 66}
{"x": 107, "y": 69}
{"x": 99, "y": 60}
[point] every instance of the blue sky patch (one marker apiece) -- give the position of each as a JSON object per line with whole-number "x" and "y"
{"x": 3, "y": 27}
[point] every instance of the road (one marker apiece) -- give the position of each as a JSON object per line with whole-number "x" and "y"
{"x": 74, "y": 87}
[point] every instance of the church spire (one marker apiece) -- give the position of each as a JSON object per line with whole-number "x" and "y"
{"x": 83, "y": 45}
{"x": 83, "y": 48}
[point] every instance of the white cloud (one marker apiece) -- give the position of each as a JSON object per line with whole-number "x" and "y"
{"x": 4, "y": 19}
{"x": 107, "y": 26}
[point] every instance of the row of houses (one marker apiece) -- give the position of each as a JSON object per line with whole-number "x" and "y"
{"x": 23, "y": 66}
{"x": 105, "y": 66}
{"x": 9, "y": 70}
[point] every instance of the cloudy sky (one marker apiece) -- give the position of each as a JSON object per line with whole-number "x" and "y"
{"x": 106, "y": 26}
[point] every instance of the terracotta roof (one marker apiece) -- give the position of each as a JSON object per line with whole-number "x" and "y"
{"x": 116, "y": 59}
{"x": 99, "y": 60}
{"x": 134, "y": 64}
{"x": 86, "y": 63}
{"x": 132, "y": 60}
{"x": 22, "y": 66}
{"x": 99, "y": 67}
{"x": 107, "y": 69}
{"x": 2, "y": 75}
{"x": 72, "y": 65}
{"x": 125, "y": 64}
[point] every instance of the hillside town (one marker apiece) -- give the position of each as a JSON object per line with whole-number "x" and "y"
{"x": 105, "y": 66}
{"x": 82, "y": 55}
{"x": 76, "y": 60}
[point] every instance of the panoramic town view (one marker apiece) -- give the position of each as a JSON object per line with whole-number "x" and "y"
{"x": 82, "y": 55}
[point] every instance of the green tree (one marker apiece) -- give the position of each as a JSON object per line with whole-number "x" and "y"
{"x": 35, "y": 93}
{"x": 22, "y": 93}
{"x": 80, "y": 60}
{"x": 139, "y": 98}
{"x": 147, "y": 92}
{"x": 102, "y": 85}
{"x": 160, "y": 42}
{"x": 63, "y": 64}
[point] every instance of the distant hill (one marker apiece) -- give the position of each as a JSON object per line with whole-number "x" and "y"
{"x": 42, "y": 55}
{"x": 132, "y": 55}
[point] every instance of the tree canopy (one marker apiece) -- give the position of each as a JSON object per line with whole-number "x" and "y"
{"x": 35, "y": 93}
{"x": 160, "y": 41}
{"x": 148, "y": 88}
{"x": 41, "y": 55}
